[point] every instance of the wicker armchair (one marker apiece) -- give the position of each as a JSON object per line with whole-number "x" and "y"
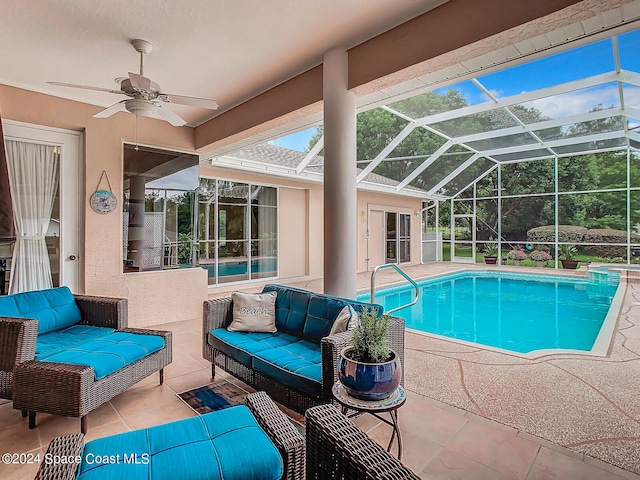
{"x": 289, "y": 442}
{"x": 64, "y": 389}
{"x": 218, "y": 314}
{"x": 17, "y": 345}
{"x": 337, "y": 449}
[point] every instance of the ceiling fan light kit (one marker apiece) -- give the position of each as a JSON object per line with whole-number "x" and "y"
{"x": 144, "y": 108}
{"x": 146, "y": 97}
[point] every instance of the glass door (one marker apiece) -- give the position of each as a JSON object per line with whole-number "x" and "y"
{"x": 397, "y": 237}
{"x": 462, "y": 244}
{"x": 63, "y": 233}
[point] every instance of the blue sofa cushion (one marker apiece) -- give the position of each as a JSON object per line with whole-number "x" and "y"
{"x": 281, "y": 356}
{"x": 321, "y": 314}
{"x": 291, "y": 308}
{"x": 50, "y": 343}
{"x": 227, "y": 444}
{"x": 54, "y": 308}
{"x": 298, "y": 364}
{"x": 109, "y": 353}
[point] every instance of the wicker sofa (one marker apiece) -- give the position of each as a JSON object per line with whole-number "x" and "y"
{"x": 234, "y": 443}
{"x": 66, "y": 354}
{"x": 297, "y": 365}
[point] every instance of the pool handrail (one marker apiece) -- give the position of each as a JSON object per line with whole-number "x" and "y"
{"x": 407, "y": 277}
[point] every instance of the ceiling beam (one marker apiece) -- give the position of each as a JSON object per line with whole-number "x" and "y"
{"x": 418, "y": 40}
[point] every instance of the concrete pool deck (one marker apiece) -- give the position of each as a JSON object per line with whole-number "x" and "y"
{"x": 586, "y": 406}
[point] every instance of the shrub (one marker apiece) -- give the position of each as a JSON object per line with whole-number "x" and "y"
{"x": 566, "y": 233}
{"x": 540, "y": 256}
{"x": 516, "y": 255}
{"x": 606, "y": 235}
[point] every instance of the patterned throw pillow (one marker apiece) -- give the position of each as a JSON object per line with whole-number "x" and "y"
{"x": 254, "y": 312}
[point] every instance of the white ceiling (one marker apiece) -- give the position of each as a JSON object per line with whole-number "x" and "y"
{"x": 227, "y": 50}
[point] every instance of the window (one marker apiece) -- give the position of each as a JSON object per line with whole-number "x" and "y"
{"x": 238, "y": 230}
{"x": 159, "y": 209}
{"x": 398, "y": 238}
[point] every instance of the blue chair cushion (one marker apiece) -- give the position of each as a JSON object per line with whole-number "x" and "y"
{"x": 227, "y": 444}
{"x": 54, "y": 308}
{"x": 284, "y": 357}
{"x": 50, "y": 343}
{"x": 109, "y": 353}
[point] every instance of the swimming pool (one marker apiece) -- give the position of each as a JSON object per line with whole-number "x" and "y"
{"x": 515, "y": 312}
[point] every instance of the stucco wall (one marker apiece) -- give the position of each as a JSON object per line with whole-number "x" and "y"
{"x": 154, "y": 297}
{"x": 371, "y": 208}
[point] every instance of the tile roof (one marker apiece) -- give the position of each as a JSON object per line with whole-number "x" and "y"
{"x": 283, "y": 157}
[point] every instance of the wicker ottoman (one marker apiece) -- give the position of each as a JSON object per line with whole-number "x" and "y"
{"x": 252, "y": 441}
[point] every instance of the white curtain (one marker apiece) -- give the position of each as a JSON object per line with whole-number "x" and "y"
{"x": 33, "y": 176}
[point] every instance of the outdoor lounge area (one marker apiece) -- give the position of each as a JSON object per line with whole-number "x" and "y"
{"x": 445, "y": 193}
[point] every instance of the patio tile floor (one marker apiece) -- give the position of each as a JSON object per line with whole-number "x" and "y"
{"x": 444, "y": 438}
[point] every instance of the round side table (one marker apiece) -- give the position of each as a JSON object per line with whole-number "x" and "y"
{"x": 390, "y": 404}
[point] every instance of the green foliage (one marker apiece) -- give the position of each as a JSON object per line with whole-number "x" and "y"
{"x": 491, "y": 249}
{"x": 568, "y": 251}
{"x": 185, "y": 247}
{"x": 608, "y": 236}
{"x": 566, "y": 233}
{"x": 369, "y": 338}
{"x": 540, "y": 256}
{"x": 517, "y": 254}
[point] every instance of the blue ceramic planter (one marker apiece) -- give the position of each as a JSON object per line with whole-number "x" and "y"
{"x": 369, "y": 381}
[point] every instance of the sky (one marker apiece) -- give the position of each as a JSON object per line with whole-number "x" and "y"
{"x": 297, "y": 141}
{"x": 585, "y": 61}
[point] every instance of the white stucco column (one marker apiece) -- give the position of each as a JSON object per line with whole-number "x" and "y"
{"x": 339, "y": 177}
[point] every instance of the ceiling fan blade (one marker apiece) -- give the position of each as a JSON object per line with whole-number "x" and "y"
{"x": 97, "y": 89}
{"x": 112, "y": 110}
{"x": 170, "y": 116}
{"x": 191, "y": 101}
{"x": 140, "y": 82}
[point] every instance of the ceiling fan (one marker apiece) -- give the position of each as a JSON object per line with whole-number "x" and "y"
{"x": 146, "y": 98}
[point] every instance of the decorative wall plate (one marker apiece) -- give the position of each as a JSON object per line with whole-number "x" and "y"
{"x": 103, "y": 202}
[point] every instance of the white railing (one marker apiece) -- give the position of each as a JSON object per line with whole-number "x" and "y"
{"x": 407, "y": 277}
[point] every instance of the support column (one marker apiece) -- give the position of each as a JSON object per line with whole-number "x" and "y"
{"x": 340, "y": 200}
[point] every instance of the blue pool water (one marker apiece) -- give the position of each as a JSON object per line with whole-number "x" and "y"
{"x": 516, "y": 312}
{"x": 228, "y": 268}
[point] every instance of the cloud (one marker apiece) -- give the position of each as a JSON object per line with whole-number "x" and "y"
{"x": 583, "y": 101}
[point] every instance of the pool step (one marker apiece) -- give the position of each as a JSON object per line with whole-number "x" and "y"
{"x": 632, "y": 276}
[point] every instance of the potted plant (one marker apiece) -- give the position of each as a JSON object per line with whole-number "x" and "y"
{"x": 491, "y": 252}
{"x": 516, "y": 255}
{"x": 368, "y": 369}
{"x": 568, "y": 252}
{"x": 540, "y": 257}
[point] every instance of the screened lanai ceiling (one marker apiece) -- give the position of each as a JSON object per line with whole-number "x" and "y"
{"x": 580, "y": 101}
{"x": 577, "y": 102}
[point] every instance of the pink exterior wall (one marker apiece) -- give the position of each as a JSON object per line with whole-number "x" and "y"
{"x": 154, "y": 297}
{"x": 371, "y": 208}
